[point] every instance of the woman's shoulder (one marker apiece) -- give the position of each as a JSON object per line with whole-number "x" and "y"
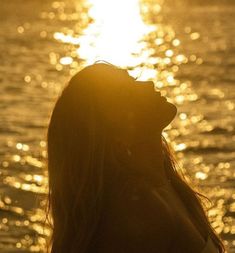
{"x": 137, "y": 198}
{"x": 133, "y": 192}
{"x": 135, "y": 213}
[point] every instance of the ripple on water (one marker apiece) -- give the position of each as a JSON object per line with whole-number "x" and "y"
{"x": 189, "y": 56}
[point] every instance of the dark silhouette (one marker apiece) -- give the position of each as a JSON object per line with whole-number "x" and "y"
{"x": 113, "y": 183}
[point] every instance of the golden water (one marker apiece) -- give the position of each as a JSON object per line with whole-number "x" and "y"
{"x": 186, "y": 49}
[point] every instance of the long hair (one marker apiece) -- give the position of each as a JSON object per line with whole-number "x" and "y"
{"x": 79, "y": 144}
{"x": 194, "y": 200}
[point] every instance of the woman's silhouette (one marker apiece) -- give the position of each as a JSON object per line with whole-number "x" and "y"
{"x": 113, "y": 184}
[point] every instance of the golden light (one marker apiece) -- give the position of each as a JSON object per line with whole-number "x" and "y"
{"x": 66, "y": 38}
{"x": 67, "y": 60}
{"x": 195, "y": 36}
{"x": 180, "y": 147}
{"x": 116, "y": 33}
{"x": 169, "y": 53}
{"x": 201, "y": 175}
{"x": 183, "y": 116}
{"x": 176, "y": 42}
{"x": 181, "y": 58}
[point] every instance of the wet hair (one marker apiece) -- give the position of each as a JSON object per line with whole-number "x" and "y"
{"x": 80, "y": 148}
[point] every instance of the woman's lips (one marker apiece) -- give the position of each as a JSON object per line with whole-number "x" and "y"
{"x": 158, "y": 93}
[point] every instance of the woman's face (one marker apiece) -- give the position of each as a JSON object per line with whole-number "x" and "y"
{"x": 139, "y": 109}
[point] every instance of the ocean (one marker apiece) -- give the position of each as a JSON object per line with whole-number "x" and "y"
{"x": 186, "y": 47}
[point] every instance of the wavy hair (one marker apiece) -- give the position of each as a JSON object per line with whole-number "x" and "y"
{"x": 79, "y": 144}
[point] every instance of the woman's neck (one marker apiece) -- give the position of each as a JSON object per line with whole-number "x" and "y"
{"x": 147, "y": 157}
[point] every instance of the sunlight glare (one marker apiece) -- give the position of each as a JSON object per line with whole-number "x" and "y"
{"x": 115, "y": 34}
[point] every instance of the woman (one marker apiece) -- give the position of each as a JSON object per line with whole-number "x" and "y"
{"x": 113, "y": 185}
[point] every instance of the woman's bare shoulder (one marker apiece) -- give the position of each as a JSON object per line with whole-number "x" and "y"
{"x": 138, "y": 201}
{"x": 135, "y": 213}
{"x": 138, "y": 192}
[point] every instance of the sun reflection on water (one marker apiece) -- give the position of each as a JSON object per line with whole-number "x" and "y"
{"x": 119, "y": 32}
{"x": 130, "y": 34}
{"x": 115, "y": 33}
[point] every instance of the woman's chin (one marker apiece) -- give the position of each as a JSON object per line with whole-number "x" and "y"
{"x": 172, "y": 109}
{"x": 169, "y": 112}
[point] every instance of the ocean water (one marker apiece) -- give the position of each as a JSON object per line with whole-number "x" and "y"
{"x": 186, "y": 48}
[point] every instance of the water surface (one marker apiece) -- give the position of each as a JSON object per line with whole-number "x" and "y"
{"x": 187, "y": 49}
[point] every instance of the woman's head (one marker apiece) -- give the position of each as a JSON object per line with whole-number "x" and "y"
{"x": 126, "y": 108}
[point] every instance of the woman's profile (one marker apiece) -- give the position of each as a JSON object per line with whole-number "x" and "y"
{"x": 113, "y": 183}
